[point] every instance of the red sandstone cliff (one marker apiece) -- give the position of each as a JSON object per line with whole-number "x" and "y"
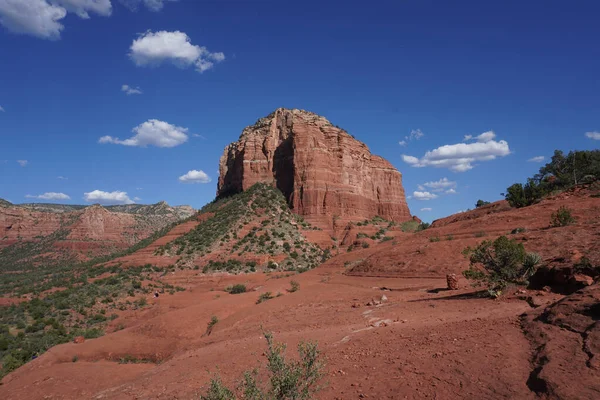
{"x": 321, "y": 169}
{"x": 88, "y": 231}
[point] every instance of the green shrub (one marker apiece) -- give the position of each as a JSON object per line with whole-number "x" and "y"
{"x": 264, "y": 297}
{"x": 562, "y": 217}
{"x": 298, "y": 380}
{"x": 236, "y": 289}
{"x": 450, "y": 237}
{"x": 295, "y": 286}
{"x": 498, "y": 263}
{"x": 434, "y": 239}
{"x": 481, "y": 203}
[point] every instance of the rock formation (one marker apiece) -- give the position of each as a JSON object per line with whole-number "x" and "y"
{"x": 320, "y": 168}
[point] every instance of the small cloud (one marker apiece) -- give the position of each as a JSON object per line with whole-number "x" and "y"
{"x": 415, "y": 134}
{"x": 156, "y": 48}
{"x": 442, "y": 184}
{"x": 62, "y": 178}
{"x": 129, "y": 90}
{"x": 424, "y": 195}
{"x": 152, "y": 133}
{"x": 451, "y": 191}
{"x": 2, "y": 109}
{"x": 152, "y": 5}
{"x": 461, "y": 156}
{"x": 49, "y": 196}
{"x": 421, "y": 187}
{"x": 137, "y": 199}
{"x": 99, "y": 196}
{"x": 198, "y": 135}
{"x": 537, "y": 159}
{"x": 483, "y": 138}
{"x": 23, "y": 163}
{"x": 139, "y": 188}
{"x": 195, "y": 176}
{"x": 426, "y": 209}
{"x": 593, "y": 135}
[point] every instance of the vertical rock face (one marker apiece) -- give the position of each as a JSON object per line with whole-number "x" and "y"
{"x": 321, "y": 169}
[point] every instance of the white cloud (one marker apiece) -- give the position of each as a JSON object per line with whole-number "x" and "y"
{"x": 593, "y": 135}
{"x": 461, "y": 156}
{"x": 426, "y": 209}
{"x": 155, "y": 48}
{"x": 62, "y": 178}
{"x": 451, "y": 191}
{"x": 483, "y": 138}
{"x": 43, "y": 18}
{"x": 99, "y": 196}
{"x": 152, "y": 133}
{"x": 442, "y": 184}
{"x": 424, "y": 195}
{"x": 195, "y": 176}
{"x": 537, "y": 159}
{"x": 23, "y": 163}
{"x": 415, "y": 134}
{"x": 49, "y": 196}
{"x": 131, "y": 90}
{"x": 153, "y": 5}
{"x": 2, "y": 109}
{"x": 137, "y": 199}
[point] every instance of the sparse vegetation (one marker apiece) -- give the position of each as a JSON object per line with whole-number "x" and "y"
{"x": 480, "y": 234}
{"x": 434, "y": 239}
{"x": 561, "y": 173}
{"x": 518, "y": 230}
{"x": 562, "y": 217}
{"x": 236, "y": 289}
{"x": 298, "y": 380}
{"x": 481, "y": 203}
{"x": 295, "y": 286}
{"x": 264, "y": 297}
{"x": 499, "y": 263}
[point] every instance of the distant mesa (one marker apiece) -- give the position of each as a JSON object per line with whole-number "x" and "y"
{"x": 322, "y": 170}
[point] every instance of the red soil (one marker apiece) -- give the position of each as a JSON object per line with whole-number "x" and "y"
{"x": 423, "y": 342}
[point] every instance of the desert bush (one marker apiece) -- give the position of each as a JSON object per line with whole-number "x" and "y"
{"x": 236, "y": 289}
{"x": 481, "y": 203}
{"x": 562, "y": 217}
{"x": 499, "y": 263}
{"x": 264, "y": 297}
{"x": 518, "y": 230}
{"x": 434, "y": 239}
{"x": 480, "y": 234}
{"x": 295, "y": 286}
{"x": 293, "y": 380}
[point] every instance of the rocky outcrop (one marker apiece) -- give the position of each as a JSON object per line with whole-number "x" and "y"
{"x": 85, "y": 230}
{"x": 320, "y": 168}
{"x": 565, "y": 340}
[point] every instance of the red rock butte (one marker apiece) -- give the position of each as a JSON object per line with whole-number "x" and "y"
{"x": 322, "y": 170}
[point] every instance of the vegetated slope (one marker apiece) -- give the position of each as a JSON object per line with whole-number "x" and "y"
{"x": 45, "y": 232}
{"x": 249, "y": 231}
{"x": 419, "y": 341}
{"x": 437, "y": 250}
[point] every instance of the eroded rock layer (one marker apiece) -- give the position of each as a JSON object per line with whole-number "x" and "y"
{"x": 320, "y": 168}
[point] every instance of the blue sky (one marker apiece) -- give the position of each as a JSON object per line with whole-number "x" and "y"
{"x": 527, "y": 71}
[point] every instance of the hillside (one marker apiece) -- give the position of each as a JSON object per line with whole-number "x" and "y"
{"x": 380, "y": 312}
{"x": 44, "y": 232}
{"x": 249, "y": 231}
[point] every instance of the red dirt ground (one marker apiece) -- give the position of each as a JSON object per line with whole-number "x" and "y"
{"x": 422, "y": 343}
